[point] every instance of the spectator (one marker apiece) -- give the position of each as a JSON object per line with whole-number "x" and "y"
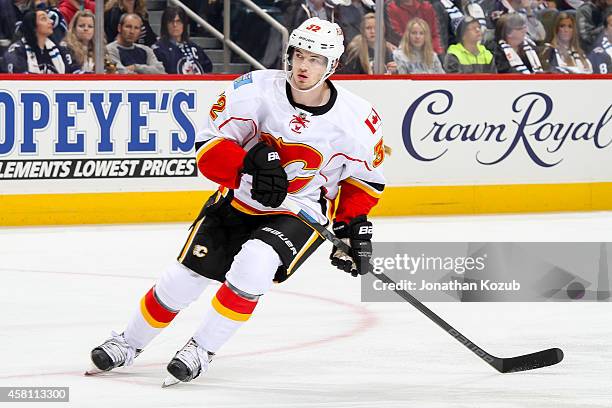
{"x": 447, "y": 13}
{"x": 80, "y": 42}
{"x": 415, "y": 54}
{"x": 564, "y": 54}
{"x": 535, "y": 28}
{"x": 601, "y": 56}
{"x": 114, "y": 9}
{"x": 360, "y": 52}
{"x": 36, "y": 53}
{"x": 174, "y": 50}
{"x": 8, "y": 19}
{"x": 350, "y": 18}
{"x": 301, "y": 10}
{"x": 563, "y": 5}
{"x": 59, "y": 23}
{"x": 296, "y": 12}
{"x": 129, "y": 57}
{"x": 69, "y": 8}
{"x": 469, "y": 56}
{"x": 590, "y": 22}
{"x": 514, "y": 51}
{"x": 482, "y": 10}
{"x": 548, "y": 16}
{"x": 212, "y": 12}
{"x": 197, "y": 6}
{"x": 400, "y": 12}
{"x": 20, "y": 7}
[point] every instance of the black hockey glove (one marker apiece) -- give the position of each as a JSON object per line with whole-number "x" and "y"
{"x": 357, "y": 234}
{"x": 269, "y": 178}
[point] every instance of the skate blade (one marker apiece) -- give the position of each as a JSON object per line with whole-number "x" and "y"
{"x": 170, "y": 381}
{"x": 93, "y": 371}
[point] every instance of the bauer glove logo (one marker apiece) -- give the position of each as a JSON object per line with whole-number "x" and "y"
{"x": 365, "y": 229}
{"x": 273, "y": 156}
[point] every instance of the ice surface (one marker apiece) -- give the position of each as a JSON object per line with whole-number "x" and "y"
{"x": 310, "y": 343}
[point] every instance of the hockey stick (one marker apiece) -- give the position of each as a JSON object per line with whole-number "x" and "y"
{"x": 525, "y": 362}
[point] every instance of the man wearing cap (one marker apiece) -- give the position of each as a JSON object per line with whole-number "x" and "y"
{"x": 469, "y": 56}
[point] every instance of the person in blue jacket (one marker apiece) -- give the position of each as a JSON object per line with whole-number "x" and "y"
{"x": 601, "y": 56}
{"x": 35, "y": 52}
{"x": 174, "y": 49}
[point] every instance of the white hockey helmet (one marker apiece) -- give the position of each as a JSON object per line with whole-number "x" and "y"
{"x": 320, "y": 37}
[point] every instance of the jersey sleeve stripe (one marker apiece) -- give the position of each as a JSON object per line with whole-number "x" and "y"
{"x": 241, "y": 120}
{"x": 207, "y": 146}
{"x": 348, "y": 158}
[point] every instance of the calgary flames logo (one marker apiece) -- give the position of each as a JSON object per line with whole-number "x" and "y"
{"x": 291, "y": 153}
{"x": 298, "y": 123}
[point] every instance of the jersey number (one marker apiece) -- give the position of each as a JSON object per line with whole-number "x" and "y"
{"x": 313, "y": 27}
{"x": 218, "y": 107}
{"x": 379, "y": 153}
{"x": 310, "y": 158}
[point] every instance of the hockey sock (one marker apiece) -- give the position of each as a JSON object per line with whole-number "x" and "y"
{"x": 148, "y": 321}
{"x": 228, "y": 310}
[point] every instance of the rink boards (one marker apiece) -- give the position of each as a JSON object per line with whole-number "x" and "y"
{"x": 89, "y": 149}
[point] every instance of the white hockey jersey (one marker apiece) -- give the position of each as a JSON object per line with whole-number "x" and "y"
{"x": 341, "y": 140}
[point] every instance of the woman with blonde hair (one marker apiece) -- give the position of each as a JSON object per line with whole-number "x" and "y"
{"x": 114, "y": 9}
{"x": 79, "y": 40}
{"x": 564, "y": 54}
{"x": 415, "y": 54}
{"x": 360, "y": 51}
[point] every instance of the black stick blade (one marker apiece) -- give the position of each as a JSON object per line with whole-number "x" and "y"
{"x": 531, "y": 361}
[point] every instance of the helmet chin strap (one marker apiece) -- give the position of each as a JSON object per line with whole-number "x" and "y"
{"x": 319, "y": 83}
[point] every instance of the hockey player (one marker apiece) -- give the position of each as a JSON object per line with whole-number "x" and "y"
{"x": 271, "y": 136}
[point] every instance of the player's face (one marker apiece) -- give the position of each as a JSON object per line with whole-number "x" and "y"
{"x": 84, "y": 29}
{"x": 130, "y": 29}
{"x": 44, "y": 25}
{"x": 609, "y": 25}
{"x": 417, "y": 36}
{"x": 565, "y": 30}
{"x": 307, "y": 68}
{"x": 176, "y": 28}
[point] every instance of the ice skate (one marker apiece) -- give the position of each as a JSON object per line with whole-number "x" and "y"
{"x": 188, "y": 363}
{"x": 114, "y": 352}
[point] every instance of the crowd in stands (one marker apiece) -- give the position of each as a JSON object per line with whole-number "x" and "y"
{"x": 42, "y": 36}
{"x": 421, "y": 36}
